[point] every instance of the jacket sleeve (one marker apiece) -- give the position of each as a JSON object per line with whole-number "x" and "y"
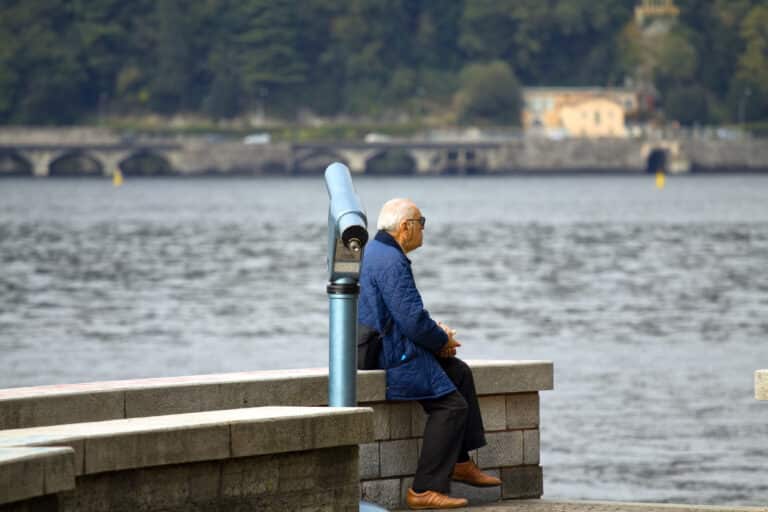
{"x": 402, "y": 298}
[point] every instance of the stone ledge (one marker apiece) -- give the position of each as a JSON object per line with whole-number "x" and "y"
{"x": 761, "y": 384}
{"x": 183, "y": 438}
{"x": 31, "y": 472}
{"x": 99, "y": 401}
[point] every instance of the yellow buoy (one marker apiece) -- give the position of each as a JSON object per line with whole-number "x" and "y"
{"x": 117, "y": 178}
{"x": 660, "y": 179}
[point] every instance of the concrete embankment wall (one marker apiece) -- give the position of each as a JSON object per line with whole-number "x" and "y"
{"x": 185, "y": 430}
{"x": 194, "y": 155}
{"x": 267, "y": 458}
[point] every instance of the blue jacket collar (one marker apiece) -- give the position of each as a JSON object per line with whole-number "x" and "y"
{"x": 387, "y": 239}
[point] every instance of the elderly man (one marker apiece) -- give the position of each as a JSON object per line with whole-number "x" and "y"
{"x": 419, "y": 357}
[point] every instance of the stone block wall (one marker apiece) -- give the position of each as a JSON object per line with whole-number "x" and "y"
{"x": 511, "y": 424}
{"x": 319, "y": 480}
{"x": 268, "y": 458}
{"x": 507, "y": 390}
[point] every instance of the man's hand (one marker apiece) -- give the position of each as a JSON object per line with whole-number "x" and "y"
{"x": 449, "y": 349}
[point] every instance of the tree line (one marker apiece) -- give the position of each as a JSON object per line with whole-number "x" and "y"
{"x": 75, "y": 60}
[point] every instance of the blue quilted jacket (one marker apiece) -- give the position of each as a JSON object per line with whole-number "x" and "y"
{"x": 388, "y": 291}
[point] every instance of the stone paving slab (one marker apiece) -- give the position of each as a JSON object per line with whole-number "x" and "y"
{"x": 761, "y": 384}
{"x": 599, "y": 506}
{"x": 98, "y": 401}
{"x": 160, "y": 440}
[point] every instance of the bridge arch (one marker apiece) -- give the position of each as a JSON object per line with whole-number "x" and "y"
{"x": 391, "y": 161}
{"x": 75, "y": 163}
{"x": 14, "y": 164}
{"x": 145, "y": 163}
{"x": 316, "y": 162}
{"x": 657, "y": 160}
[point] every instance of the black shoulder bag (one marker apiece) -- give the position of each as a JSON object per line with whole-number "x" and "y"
{"x": 369, "y": 342}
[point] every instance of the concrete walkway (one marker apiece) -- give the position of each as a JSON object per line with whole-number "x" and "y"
{"x": 599, "y": 506}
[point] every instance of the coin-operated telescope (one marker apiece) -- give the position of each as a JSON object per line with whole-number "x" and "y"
{"x": 347, "y": 236}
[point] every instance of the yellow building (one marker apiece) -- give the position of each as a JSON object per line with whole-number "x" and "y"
{"x": 578, "y": 111}
{"x": 597, "y": 117}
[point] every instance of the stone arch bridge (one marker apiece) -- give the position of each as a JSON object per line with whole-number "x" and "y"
{"x": 401, "y": 157}
{"x": 192, "y": 157}
{"x": 83, "y": 151}
{"x": 98, "y": 159}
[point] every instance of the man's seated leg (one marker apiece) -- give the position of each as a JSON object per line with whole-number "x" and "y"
{"x": 443, "y": 433}
{"x": 474, "y": 434}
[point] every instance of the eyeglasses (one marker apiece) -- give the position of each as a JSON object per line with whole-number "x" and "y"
{"x": 420, "y": 220}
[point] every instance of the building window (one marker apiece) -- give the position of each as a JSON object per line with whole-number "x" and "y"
{"x": 597, "y": 117}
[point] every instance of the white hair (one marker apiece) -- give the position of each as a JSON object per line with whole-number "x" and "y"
{"x": 393, "y": 212}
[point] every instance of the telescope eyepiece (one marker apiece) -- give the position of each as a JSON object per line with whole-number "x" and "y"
{"x": 355, "y": 245}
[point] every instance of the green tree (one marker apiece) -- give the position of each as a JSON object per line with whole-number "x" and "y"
{"x": 39, "y": 66}
{"x": 264, "y": 44}
{"x": 490, "y": 93}
{"x": 687, "y": 104}
{"x": 547, "y": 42}
{"x": 171, "y": 71}
{"x": 223, "y": 100}
{"x": 750, "y": 85}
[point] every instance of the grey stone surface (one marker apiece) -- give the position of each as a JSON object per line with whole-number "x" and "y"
{"x": 522, "y": 482}
{"x": 405, "y": 484}
{"x": 381, "y": 415}
{"x": 325, "y": 479}
{"x": 247, "y": 477}
{"x": 174, "y": 400}
{"x": 59, "y": 470}
{"x": 531, "y": 449}
{"x": 138, "y": 442}
{"x": 156, "y": 447}
{"x": 761, "y": 384}
{"x": 385, "y": 493}
{"x": 310, "y": 428}
{"x": 72, "y": 403}
{"x": 31, "y": 472}
{"x": 20, "y": 410}
{"x": 398, "y": 457}
{"x": 503, "y": 449}
{"x": 371, "y": 386}
{"x": 48, "y": 503}
{"x": 369, "y": 461}
{"x": 62, "y": 436}
{"x": 499, "y": 377}
{"x": 523, "y": 410}
{"x": 21, "y": 477}
{"x": 400, "y": 420}
{"x": 329, "y": 468}
{"x": 477, "y": 495}
{"x": 494, "y": 411}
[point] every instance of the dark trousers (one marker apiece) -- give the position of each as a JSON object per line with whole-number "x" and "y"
{"x": 454, "y": 427}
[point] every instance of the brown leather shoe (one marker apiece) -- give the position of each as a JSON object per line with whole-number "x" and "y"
{"x": 469, "y": 473}
{"x": 432, "y": 499}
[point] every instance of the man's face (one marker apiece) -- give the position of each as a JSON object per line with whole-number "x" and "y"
{"x": 414, "y": 232}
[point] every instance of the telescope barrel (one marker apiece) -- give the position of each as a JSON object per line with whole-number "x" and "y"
{"x": 345, "y": 209}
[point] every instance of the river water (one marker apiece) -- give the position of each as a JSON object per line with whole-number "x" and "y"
{"x": 652, "y": 304}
